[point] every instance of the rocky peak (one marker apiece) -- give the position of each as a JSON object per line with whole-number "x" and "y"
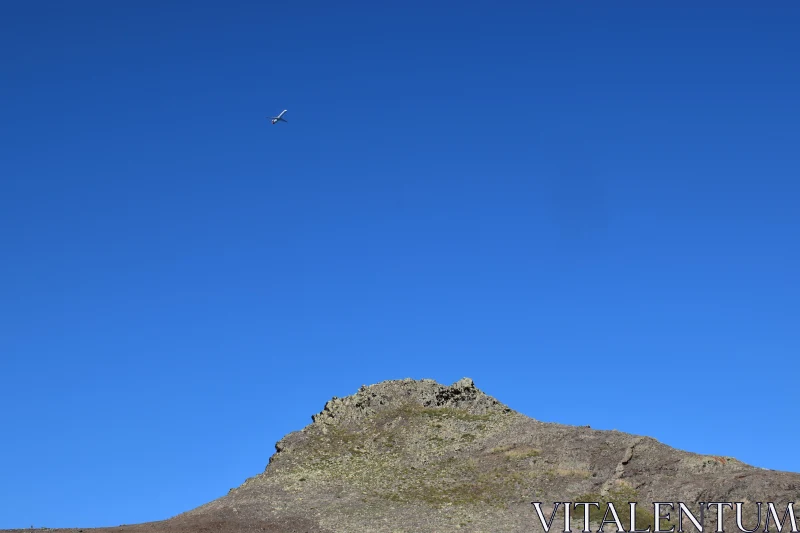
{"x": 369, "y": 400}
{"x": 415, "y": 455}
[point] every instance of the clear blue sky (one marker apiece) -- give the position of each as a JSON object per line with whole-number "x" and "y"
{"x": 589, "y": 208}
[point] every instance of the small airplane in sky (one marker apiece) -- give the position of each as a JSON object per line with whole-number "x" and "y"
{"x": 279, "y": 118}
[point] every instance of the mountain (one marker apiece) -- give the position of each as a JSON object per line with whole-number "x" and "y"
{"x": 417, "y": 456}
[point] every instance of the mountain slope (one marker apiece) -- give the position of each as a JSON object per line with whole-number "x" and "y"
{"x": 417, "y": 456}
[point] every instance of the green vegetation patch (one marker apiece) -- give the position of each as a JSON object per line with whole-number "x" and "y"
{"x": 513, "y": 451}
{"x": 449, "y": 412}
{"x": 620, "y": 497}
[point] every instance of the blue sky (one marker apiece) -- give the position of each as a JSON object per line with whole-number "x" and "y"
{"x": 588, "y": 208}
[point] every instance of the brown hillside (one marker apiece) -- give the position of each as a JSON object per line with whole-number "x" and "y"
{"x": 417, "y": 456}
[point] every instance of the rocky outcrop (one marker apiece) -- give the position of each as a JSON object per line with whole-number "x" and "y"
{"x": 370, "y": 400}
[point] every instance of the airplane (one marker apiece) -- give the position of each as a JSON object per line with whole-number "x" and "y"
{"x": 280, "y": 118}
